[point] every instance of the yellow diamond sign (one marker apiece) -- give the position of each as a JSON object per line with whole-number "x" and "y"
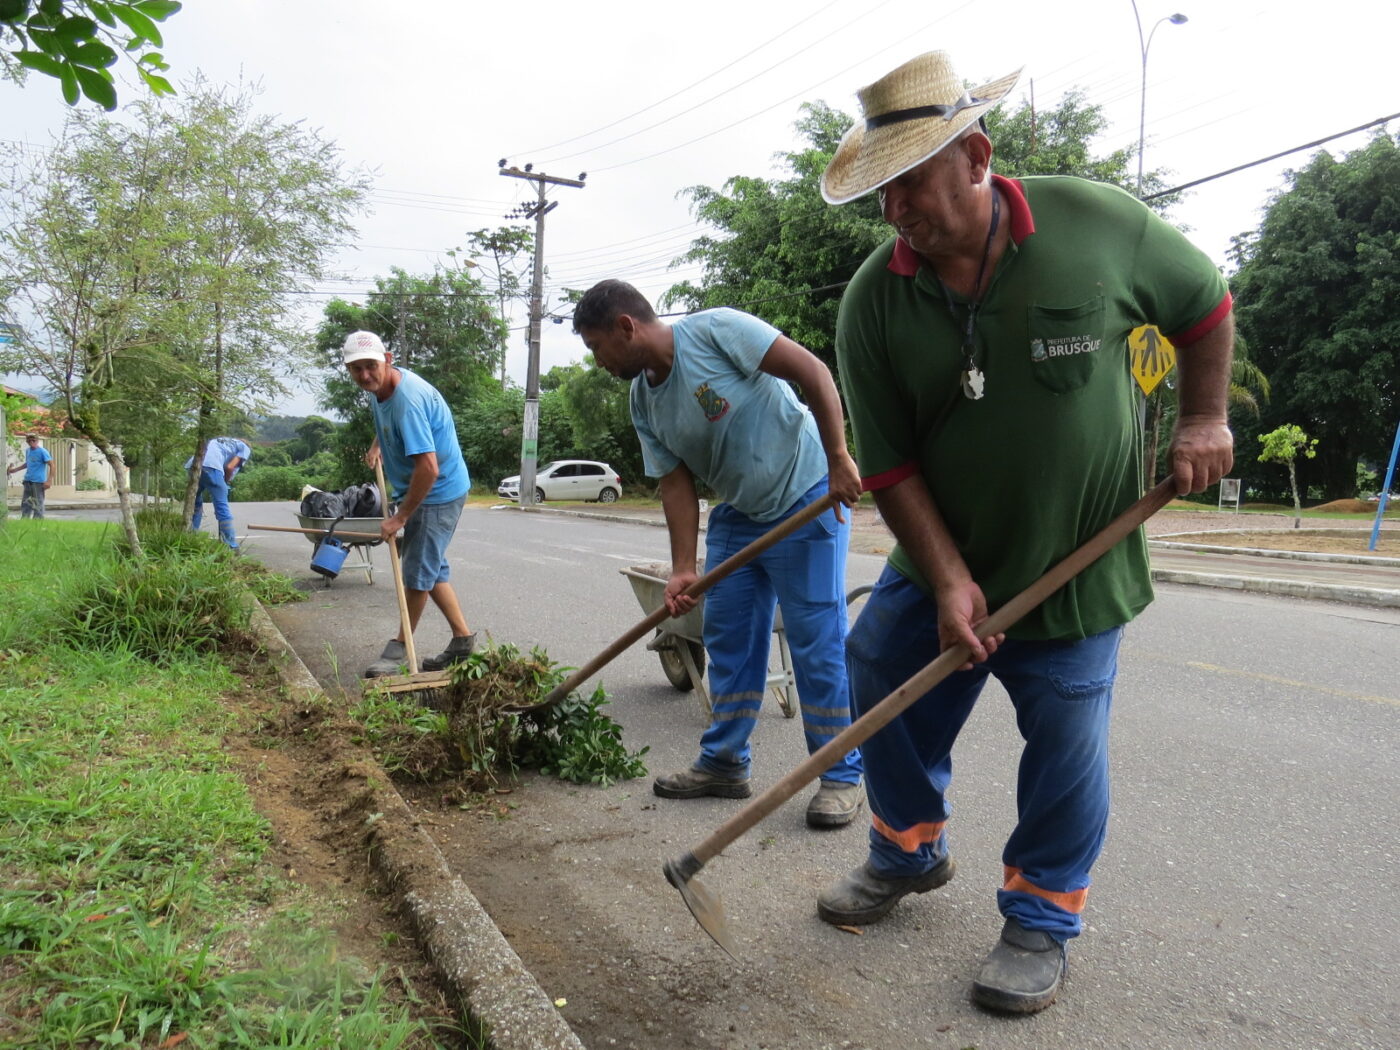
{"x": 1153, "y": 356}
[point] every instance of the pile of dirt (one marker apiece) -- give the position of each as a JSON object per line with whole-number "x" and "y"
{"x": 1346, "y": 506}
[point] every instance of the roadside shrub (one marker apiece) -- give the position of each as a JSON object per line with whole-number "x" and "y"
{"x": 91, "y": 485}
{"x": 162, "y": 607}
{"x": 258, "y": 484}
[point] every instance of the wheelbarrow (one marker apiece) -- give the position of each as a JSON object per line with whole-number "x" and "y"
{"x": 680, "y": 641}
{"x": 358, "y": 546}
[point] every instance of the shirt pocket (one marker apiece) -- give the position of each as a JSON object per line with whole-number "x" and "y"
{"x": 1066, "y": 343}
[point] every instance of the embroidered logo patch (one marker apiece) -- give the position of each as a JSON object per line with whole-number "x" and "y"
{"x": 711, "y": 403}
{"x": 1037, "y": 349}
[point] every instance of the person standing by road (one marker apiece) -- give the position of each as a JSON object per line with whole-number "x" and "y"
{"x": 983, "y": 351}
{"x": 223, "y": 458}
{"x": 709, "y": 401}
{"x": 37, "y": 480}
{"x": 416, "y": 440}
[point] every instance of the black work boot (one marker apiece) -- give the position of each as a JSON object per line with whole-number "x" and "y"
{"x": 865, "y": 895}
{"x": 1022, "y": 974}
{"x": 697, "y": 783}
{"x": 457, "y": 651}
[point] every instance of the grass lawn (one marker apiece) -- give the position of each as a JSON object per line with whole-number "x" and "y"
{"x": 137, "y": 907}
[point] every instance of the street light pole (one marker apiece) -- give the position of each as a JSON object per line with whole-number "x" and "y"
{"x": 1144, "y": 44}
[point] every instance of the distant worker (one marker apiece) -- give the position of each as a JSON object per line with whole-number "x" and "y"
{"x": 416, "y": 439}
{"x": 37, "y": 467}
{"x": 223, "y": 458}
{"x": 709, "y": 401}
{"x": 984, "y": 355}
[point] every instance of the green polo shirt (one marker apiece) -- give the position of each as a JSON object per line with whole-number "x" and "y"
{"x": 1053, "y": 451}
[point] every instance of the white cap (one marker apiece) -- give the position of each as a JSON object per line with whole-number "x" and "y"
{"x": 363, "y": 346}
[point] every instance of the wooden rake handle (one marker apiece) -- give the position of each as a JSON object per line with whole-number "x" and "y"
{"x": 934, "y": 672}
{"x": 779, "y": 532}
{"x": 405, "y": 621}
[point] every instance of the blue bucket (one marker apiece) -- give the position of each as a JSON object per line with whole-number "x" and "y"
{"x": 329, "y": 554}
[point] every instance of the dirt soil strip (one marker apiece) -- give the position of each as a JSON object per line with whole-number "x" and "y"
{"x": 460, "y": 939}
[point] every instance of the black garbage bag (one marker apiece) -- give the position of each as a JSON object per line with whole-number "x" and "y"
{"x": 323, "y": 505}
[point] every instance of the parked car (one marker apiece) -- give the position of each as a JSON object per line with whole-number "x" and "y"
{"x": 576, "y": 479}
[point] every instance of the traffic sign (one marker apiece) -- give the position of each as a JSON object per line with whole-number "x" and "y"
{"x": 1153, "y": 356}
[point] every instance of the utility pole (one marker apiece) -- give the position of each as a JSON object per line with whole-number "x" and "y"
{"x": 530, "y": 433}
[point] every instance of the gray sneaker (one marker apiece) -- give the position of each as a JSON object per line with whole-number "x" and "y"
{"x": 865, "y": 895}
{"x": 835, "y": 804}
{"x": 695, "y": 783}
{"x": 457, "y": 651}
{"x": 1023, "y": 972}
{"x": 392, "y": 660}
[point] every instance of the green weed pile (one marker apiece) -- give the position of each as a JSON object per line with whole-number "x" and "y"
{"x": 471, "y": 729}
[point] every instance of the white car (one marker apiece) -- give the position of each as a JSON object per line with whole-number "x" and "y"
{"x": 569, "y": 479}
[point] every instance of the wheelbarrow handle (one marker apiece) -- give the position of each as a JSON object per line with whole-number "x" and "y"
{"x": 781, "y": 531}
{"x": 341, "y": 534}
{"x": 885, "y": 712}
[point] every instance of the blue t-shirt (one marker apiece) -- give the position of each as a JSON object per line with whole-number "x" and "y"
{"x": 415, "y": 420}
{"x": 219, "y": 451}
{"x": 740, "y": 430}
{"x": 36, "y": 464}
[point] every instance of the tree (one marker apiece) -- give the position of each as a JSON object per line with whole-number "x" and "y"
{"x": 1285, "y": 445}
{"x": 77, "y": 41}
{"x": 1314, "y": 295}
{"x": 505, "y": 254}
{"x": 157, "y": 260}
{"x": 782, "y": 253}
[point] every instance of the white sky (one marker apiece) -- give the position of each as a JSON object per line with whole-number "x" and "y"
{"x": 429, "y": 95}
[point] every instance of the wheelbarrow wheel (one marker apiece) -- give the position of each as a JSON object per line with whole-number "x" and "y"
{"x": 674, "y": 666}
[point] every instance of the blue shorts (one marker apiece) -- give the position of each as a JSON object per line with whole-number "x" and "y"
{"x": 423, "y": 553}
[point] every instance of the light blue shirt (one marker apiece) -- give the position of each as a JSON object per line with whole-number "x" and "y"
{"x": 740, "y": 430}
{"x": 36, "y": 464}
{"x": 219, "y": 451}
{"x": 415, "y": 420}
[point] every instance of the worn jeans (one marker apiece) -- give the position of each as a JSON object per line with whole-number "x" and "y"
{"x": 1061, "y": 692}
{"x": 805, "y": 574}
{"x": 31, "y": 504}
{"x": 211, "y": 480}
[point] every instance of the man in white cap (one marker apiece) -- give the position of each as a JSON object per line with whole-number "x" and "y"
{"x": 983, "y": 352}
{"x": 416, "y": 439}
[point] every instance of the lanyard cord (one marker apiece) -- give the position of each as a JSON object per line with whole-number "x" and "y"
{"x": 968, "y": 346}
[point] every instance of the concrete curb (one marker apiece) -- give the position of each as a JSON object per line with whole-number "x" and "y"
{"x": 1284, "y": 588}
{"x": 458, "y": 936}
{"x": 1264, "y": 552}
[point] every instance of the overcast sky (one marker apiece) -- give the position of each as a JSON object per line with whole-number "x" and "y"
{"x": 649, "y": 98}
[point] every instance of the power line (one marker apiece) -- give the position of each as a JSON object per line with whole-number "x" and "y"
{"x": 682, "y": 91}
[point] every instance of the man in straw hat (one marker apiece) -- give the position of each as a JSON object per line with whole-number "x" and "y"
{"x": 983, "y": 351}
{"x": 709, "y": 401}
{"x": 416, "y": 439}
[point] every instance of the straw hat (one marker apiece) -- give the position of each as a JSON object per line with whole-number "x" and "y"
{"x": 910, "y": 114}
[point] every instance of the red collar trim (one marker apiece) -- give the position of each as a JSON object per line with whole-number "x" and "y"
{"x": 904, "y": 260}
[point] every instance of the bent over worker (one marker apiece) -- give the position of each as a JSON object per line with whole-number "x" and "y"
{"x": 984, "y": 355}
{"x": 709, "y": 401}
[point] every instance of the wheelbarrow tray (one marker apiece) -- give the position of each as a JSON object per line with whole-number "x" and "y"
{"x": 649, "y": 585}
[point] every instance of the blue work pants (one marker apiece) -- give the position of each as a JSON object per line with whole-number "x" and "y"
{"x": 211, "y": 480}
{"x": 1061, "y": 691}
{"x": 805, "y": 573}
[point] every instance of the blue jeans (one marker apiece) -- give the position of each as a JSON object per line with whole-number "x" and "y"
{"x": 1061, "y": 692}
{"x": 425, "y": 538}
{"x": 806, "y": 574}
{"x": 211, "y": 480}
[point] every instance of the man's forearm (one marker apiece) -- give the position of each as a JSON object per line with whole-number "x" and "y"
{"x": 1203, "y": 374}
{"x": 682, "y": 509}
{"x": 908, "y": 509}
{"x": 420, "y": 483}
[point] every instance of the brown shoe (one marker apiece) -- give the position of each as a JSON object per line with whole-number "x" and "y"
{"x": 865, "y": 895}
{"x": 696, "y": 783}
{"x": 835, "y": 804}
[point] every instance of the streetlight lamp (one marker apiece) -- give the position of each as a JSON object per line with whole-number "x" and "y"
{"x": 1144, "y": 44}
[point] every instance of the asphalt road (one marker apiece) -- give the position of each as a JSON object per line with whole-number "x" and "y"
{"x": 1245, "y": 898}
